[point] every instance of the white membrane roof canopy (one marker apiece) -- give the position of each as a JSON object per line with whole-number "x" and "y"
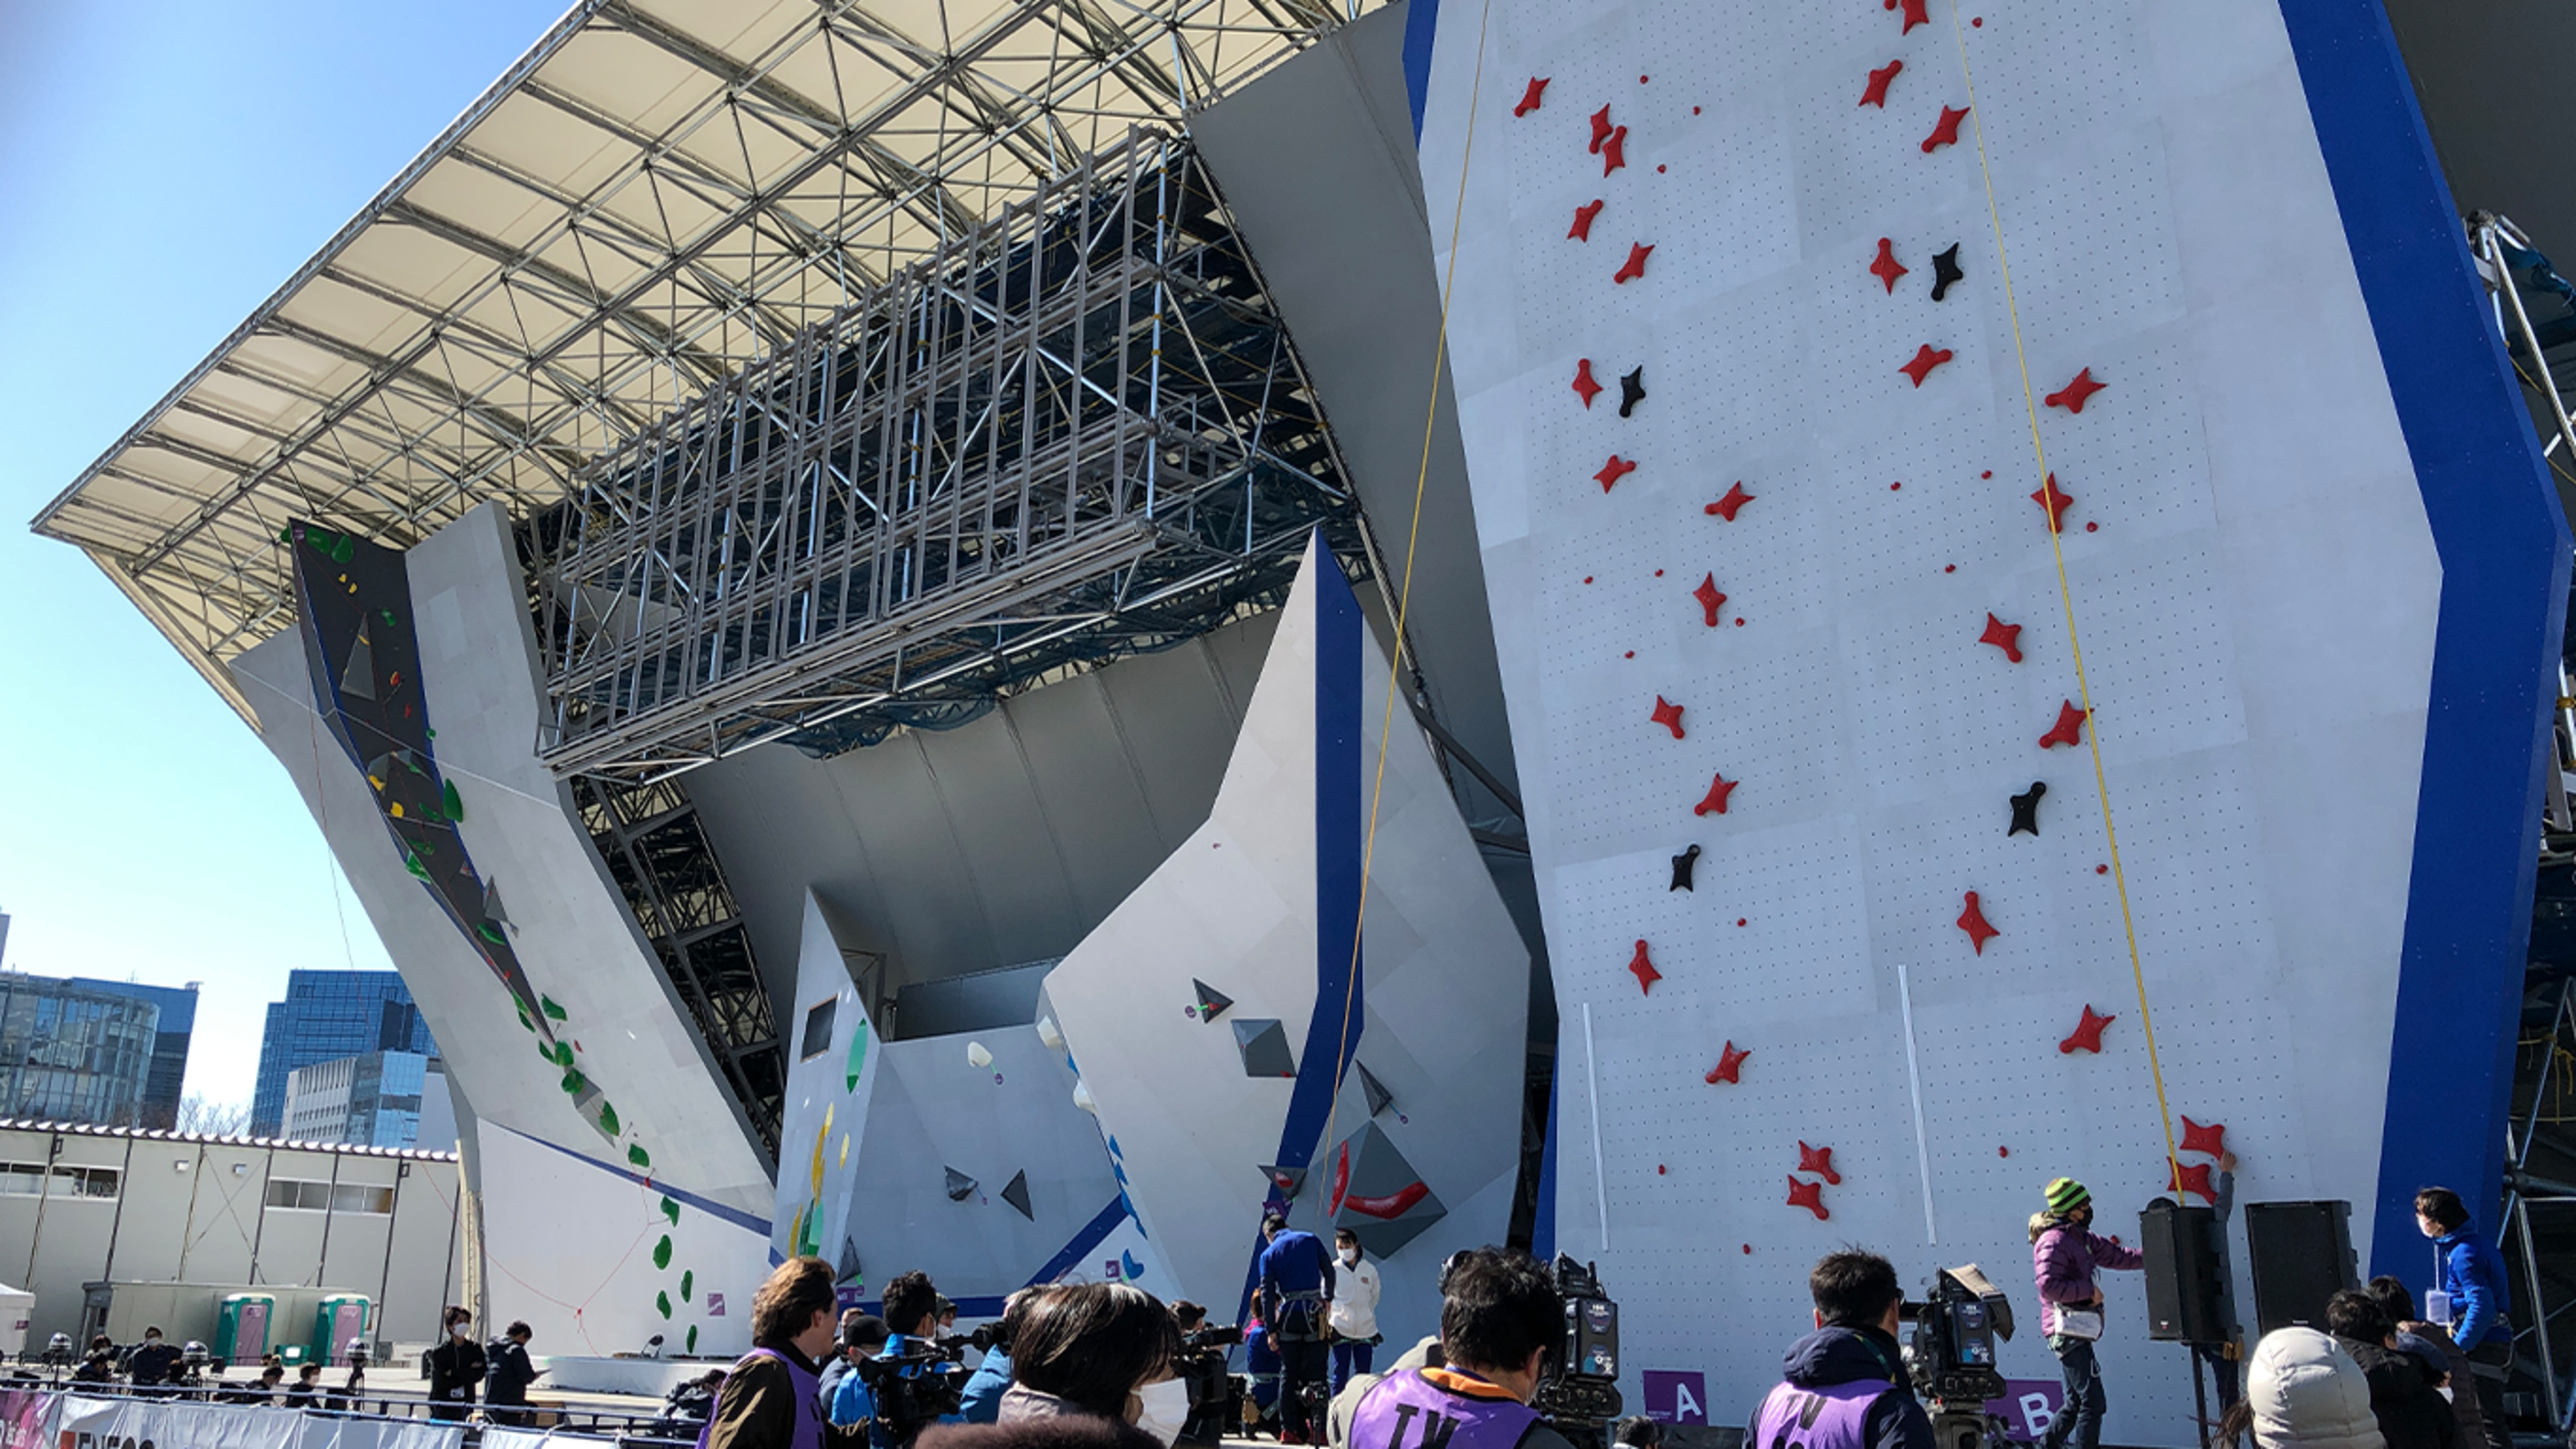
{"x": 658, "y": 193}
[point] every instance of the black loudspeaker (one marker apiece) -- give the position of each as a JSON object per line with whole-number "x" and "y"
{"x": 2301, "y": 1254}
{"x": 2188, "y": 1300}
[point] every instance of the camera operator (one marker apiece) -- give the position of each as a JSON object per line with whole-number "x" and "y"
{"x": 768, "y": 1400}
{"x": 2065, "y": 1254}
{"x": 1215, "y": 1394}
{"x": 1500, "y": 1315}
{"x": 1296, "y": 1294}
{"x": 916, "y": 1383}
{"x": 852, "y": 1402}
{"x": 99, "y": 1366}
{"x": 1844, "y": 1386}
{"x": 982, "y": 1401}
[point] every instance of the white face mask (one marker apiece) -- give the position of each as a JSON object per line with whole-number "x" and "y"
{"x": 151, "y": 1338}
{"x": 1166, "y": 1409}
{"x": 1351, "y": 1256}
{"x": 461, "y": 1330}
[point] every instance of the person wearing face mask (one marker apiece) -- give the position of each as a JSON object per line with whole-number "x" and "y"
{"x": 1354, "y": 1316}
{"x": 1101, "y": 1351}
{"x": 456, "y": 1366}
{"x": 2065, "y": 1255}
{"x": 1499, "y": 1316}
{"x": 853, "y": 1403}
{"x": 152, "y": 1360}
{"x": 769, "y": 1399}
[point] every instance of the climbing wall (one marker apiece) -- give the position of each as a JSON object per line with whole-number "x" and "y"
{"x": 1241, "y": 1049}
{"x": 1830, "y": 375}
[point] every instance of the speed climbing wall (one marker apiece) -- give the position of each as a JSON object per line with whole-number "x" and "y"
{"x": 1909, "y": 440}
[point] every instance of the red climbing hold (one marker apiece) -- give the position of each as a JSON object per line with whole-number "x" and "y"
{"x": 1635, "y": 266}
{"x": 1710, "y": 600}
{"x": 2076, "y": 394}
{"x": 2069, "y": 729}
{"x": 1614, "y": 152}
{"x": 1583, "y": 382}
{"x": 1612, "y": 471}
{"x": 1600, "y": 128}
{"x": 1733, "y": 502}
{"x": 1669, "y": 715}
{"x": 1714, "y": 802}
{"x": 1644, "y": 970}
{"x": 2208, "y": 1137}
{"x": 1530, "y": 97}
{"x": 2194, "y": 1178}
{"x": 1886, "y": 268}
{"x": 2006, "y": 637}
{"x": 2056, "y": 500}
{"x": 1820, "y": 1161}
{"x": 1809, "y": 1195}
{"x": 1973, "y": 921}
{"x": 1946, "y": 133}
{"x": 1730, "y": 1063}
{"x": 1876, "y": 94}
{"x": 1582, "y": 229}
{"x": 1916, "y": 14}
{"x": 2088, "y": 1033}
{"x": 1926, "y": 358}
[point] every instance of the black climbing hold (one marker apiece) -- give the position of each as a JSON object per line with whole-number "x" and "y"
{"x": 1945, "y": 270}
{"x": 1212, "y": 1002}
{"x": 2025, "y": 809}
{"x": 1632, "y": 391}
{"x": 960, "y": 1186}
{"x": 1682, "y": 866}
{"x": 848, "y": 1267}
{"x": 1379, "y": 1098}
{"x": 1263, "y": 1043}
{"x": 1284, "y": 1181}
{"x": 1017, "y": 1194}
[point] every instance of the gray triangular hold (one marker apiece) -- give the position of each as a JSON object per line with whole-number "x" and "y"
{"x": 359, "y": 677}
{"x": 492, "y": 912}
{"x": 960, "y": 1186}
{"x": 1017, "y": 1194}
{"x": 1212, "y": 1002}
{"x": 1285, "y": 1181}
{"x": 1263, "y": 1043}
{"x": 849, "y": 1265}
{"x": 1379, "y": 1098}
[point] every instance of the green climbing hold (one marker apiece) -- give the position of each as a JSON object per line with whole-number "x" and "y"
{"x": 343, "y": 550}
{"x": 532, "y": 1026}
{"x": 389, "y": 618}
{"x": 636, "y": 1154}
{"x": 693, "y": 1338}
{"x": 608, "y": 1119}
{"x": 858, "y": 1052}
{"x": 573, "y": 1082}
{"x": 425, "y": 847}
{"x": 492, "y": 933}
{"x": 671, "y": 1210}
{"x": 450, "y": 801}
{"x": 548, "y": 1053}
{"x": 547, "y": 1003}
{"x": 688, "y": 1281}
{"x": 662, "y": 1252}
{"x": 662, "y": 1302}
{"x": 286, "y": 534}
{"x": 412, "y": 863}
{"x": 563, "y": 1053}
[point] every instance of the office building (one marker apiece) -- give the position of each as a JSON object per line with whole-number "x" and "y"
{"x": 166, "y": 1081}
{"x": 328, "y": 1015}
{"x": 375, "y": 1099}
{"x": 75, "y": 1051}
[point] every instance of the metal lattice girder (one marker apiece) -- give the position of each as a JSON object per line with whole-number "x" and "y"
{"x": 657, "y": 195}
{"x": 1079, "y": 431}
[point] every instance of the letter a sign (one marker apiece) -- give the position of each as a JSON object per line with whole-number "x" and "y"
{"x": 1673, "y": 1397}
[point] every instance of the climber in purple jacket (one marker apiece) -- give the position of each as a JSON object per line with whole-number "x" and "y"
{"x": 2065, "y": 1254}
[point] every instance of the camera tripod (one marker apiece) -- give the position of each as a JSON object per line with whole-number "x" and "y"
{"x": 1967, "y": 1427}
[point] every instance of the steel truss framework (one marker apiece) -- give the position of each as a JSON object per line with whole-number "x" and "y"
{"x": 657, "y": 195}
{"x": 1079, "y": 432}
{"x": 659, "y": 856}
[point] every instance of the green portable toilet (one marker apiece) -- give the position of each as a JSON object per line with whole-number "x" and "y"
{"x": 339, "y": 1321}
{"x": 241, "y": 1327}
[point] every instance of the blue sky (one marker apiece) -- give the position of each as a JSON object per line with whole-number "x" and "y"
{"x": 163, "y": 167}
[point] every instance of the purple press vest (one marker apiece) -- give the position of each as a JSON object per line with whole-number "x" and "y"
{"x": 1406, "y": 1411}
{"x": 1829, "y": 1416}
{"x": 809, "y": 1412}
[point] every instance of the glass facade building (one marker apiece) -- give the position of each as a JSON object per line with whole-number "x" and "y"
{"x": 71, "y": 1052}
{"x": 168, "y": 1078}
{"x": 375, "y": 1100}
{"x": 328, "y": 1015}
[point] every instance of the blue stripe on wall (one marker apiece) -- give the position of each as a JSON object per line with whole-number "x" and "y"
{"x": 709, "y": 1206}
{"x": 1341, "y": 997}
{"x": 2504, "y": 550}
{"x": 1420, "y": 24}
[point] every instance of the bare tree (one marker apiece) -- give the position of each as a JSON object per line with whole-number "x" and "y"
{"x": 199, "y": 1117}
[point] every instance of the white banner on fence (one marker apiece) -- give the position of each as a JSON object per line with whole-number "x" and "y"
{"x": 81, "y": 1422}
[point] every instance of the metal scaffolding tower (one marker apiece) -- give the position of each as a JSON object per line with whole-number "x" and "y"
{"x": 1078, "y": 432}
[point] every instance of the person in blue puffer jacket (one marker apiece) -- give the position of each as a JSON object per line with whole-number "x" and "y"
{"x": 2472, "y": 1273}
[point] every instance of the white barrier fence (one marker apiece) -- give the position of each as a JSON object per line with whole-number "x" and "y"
{"x": 43, "y": 1420}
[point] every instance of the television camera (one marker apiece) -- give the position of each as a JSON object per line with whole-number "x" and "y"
{"x": 915, "y": 1388}
{"x": 1216, "y": 1395}
{"x": 1579, "y": 1395}
{"x": 1953, "y": 1359}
